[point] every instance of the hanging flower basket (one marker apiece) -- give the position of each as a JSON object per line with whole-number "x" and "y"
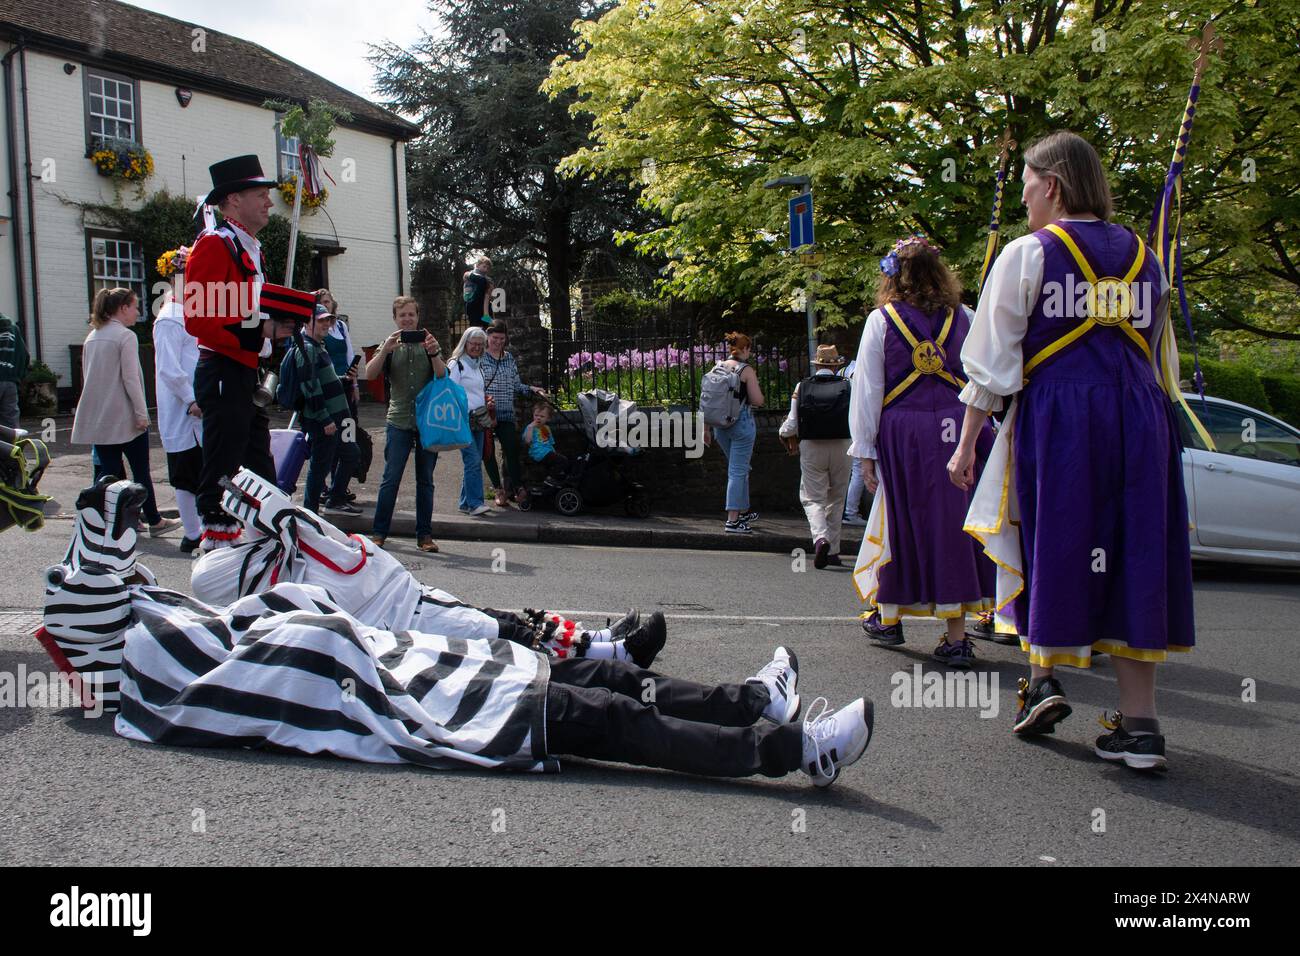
{"x": 120, "y": 159}
{"x": 289, "y": 186}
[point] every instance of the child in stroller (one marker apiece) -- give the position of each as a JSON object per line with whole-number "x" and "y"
{"x": 596, "y": 477}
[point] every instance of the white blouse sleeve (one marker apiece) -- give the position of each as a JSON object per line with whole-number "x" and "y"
{"x": 169, "y": 370}
{"x": 992, "y": 354}
{"x": 790, "y": 427}
{"x": 868, "y": 394}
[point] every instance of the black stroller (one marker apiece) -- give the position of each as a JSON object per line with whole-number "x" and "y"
{"x": 599, "y": 476}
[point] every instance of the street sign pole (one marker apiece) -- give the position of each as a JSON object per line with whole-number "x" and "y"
{"x": 802, "y": 237}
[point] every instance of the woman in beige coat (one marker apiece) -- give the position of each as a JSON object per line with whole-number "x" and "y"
{"x": 112, "y": 415}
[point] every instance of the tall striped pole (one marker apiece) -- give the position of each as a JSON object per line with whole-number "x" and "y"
{"x": 991, "y": 247}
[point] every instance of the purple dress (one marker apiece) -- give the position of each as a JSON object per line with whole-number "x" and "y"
{"x": 934, "y": 568}
{"x": 1098, "y": 471}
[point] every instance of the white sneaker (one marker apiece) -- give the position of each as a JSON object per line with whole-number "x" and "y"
{"x": 835, "y": 739}
{"x": 856, "y": 521}
{"x": 480, "y": 510}
{"x": 779, "y": 676}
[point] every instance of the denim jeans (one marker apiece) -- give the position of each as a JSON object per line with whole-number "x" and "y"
{"x": 737, "y": 443}
{"x": 471, "y": 486}
{"x": 107, "y": 460}
{"x": 398, "y": 443}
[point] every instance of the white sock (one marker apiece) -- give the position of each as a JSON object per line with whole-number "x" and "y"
{"x": 189, "y": 510}
{"x": 603, "y": 636}
{"x": 608, "y": 651}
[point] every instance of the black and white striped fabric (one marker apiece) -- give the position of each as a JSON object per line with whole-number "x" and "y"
{"x": 289, "y": 669}
{"x": 87, "y": 600}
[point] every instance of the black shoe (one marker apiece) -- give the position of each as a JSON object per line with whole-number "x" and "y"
{"x": 985, "y": 630}
{"x": 189, "y": 545}
{"x": 749, "y": 517}
{"x": 646, "y": 640}
{"x": 625, "y": 625}
{"x": 1140, "y": 752}
{"x": 821, "y": 552}
{"x": 736, "y": 527}
{"x": 878, "y": 632}
{"x": 1041, "y": 710}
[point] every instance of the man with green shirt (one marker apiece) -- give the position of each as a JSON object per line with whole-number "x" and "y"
{"x": 328, "y": 422}
{"x": 13, "y": 368}
{"x": 406, "y": 367}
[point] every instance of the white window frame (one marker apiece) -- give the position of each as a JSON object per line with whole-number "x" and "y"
{"x": 286, "y": 151}
{"x": 116, "y": 95}
{"x": 122, "y": 262}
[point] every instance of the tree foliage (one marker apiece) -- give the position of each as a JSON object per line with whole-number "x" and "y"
{"x": 482, "y": 176}
{"x": 895, "y": 111}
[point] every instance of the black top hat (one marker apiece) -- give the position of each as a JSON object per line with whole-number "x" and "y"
{"x": 232, "y": 175}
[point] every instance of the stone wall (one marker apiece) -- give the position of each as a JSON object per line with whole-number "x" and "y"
{"x": 681, "y": 485}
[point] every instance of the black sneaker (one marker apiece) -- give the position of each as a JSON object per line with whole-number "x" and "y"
{"x": 340, "y": 508}
{"x": 878, "y": 632}
{"x": 984, "y": 629}
{"x": 1139, "y": 752}
{"x": 625, "y": 625}
{"x": 1042, "y": 710}
{"x": 960, "y": 655}
{"x": 189, "y": 545}
{"x": 739, "y": 526}
{"x": 749, "y": 517}
{"x": 646, "y": 640}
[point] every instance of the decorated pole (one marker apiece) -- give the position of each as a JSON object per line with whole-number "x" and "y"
{"x": 293, "y": 227}
{"x": 1166, "y": 243}
{"x": 1006, "y": 144}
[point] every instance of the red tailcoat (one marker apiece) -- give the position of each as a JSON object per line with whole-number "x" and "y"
{"x": 215, "y": 308}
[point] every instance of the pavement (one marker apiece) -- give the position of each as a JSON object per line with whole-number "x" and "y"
{"x": 70, "y": 471}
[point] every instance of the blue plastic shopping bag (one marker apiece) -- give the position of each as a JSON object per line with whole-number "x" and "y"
{"x": 442, "y": 416}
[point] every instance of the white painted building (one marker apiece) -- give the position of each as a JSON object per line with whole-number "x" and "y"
{"x": 78, "y": 69}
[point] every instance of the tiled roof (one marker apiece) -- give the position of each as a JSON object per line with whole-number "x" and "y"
{"x": 151, "y": 45}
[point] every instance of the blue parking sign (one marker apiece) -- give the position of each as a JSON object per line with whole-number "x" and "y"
{"x": 801, "y": 221}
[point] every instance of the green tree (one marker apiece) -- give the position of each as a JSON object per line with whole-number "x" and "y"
{"x": 482, "y": 177}
{"x": 895, "y": 111}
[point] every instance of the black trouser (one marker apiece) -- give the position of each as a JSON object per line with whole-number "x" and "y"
{"x": 337, "y": 487}
{"x": 236, "y": 433}
{"x": 137, "y": 456}
{"x": 612, "y": 710}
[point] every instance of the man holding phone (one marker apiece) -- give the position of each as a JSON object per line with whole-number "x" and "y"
{"x": 406, "y": 361}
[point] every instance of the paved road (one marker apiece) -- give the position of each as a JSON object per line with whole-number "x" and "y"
{"x": 937, "y": 786}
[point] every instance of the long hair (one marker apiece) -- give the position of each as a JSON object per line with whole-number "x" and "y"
{"x": 107, "y": 302}
{"x": 923, "y": 280}
{"x": 1073, "y": 163}
{"x": 471, "y": 334}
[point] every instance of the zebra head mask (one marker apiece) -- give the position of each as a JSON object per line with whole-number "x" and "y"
{"x": 87, "y": 596}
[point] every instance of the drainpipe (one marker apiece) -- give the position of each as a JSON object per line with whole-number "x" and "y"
{"x": 397, "y": 223}
{"x": 31, "y": 209}
{"x": 11, "y": 128}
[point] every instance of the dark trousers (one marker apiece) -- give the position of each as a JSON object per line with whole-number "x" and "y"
{"x": 613, "y": 710}
{"x": 236, "y": 433}
{"x": 338, "y": 483}
{"x": 505, "y": 434}
{"x": 108, "y": 461}
{"x": 329, "y": 454}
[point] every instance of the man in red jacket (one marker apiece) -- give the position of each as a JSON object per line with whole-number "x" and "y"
{"x": 223, "y": 284}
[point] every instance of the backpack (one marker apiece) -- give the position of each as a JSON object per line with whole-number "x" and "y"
{"x": 721, "y": 394}
{"x": 823, "y": 408}
{"x": 288, "y": 392}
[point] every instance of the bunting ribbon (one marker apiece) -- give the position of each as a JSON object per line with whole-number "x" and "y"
{"x": 312, "y": 170}
{"x": 1166, "y": 243}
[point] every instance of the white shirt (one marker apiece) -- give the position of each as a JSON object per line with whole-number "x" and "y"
{"x": 868, "y": 396}
{"x": 992, "y": 356}
{"x": 176, "y": 353}
{"x": 466, "y": 373}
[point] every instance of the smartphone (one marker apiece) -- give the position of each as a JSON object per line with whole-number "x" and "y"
{"x": 412, "y": 336}
{"x": 355, "y": 362}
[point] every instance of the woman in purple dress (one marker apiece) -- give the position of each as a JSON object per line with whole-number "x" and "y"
{"x": 1081, "y": 503}
{"x": 904, "y": 417}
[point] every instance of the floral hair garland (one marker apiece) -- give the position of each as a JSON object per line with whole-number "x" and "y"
{"x": 889, "y": 264}
{"x": 172, "y": 261}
